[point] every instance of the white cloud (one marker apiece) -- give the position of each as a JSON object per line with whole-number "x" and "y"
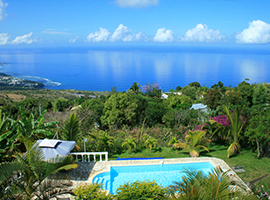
{"x": 257, "y": 32}
{"x": 201, "y": 33}
{"x": 73, "y": 40}
{"x": 136, "y": 3}
{"x": 121, "y": 33}
{"x": 24, "y": 39}
{"x": 53, "y": 32}
{"x": 2, "y": 9}
{"x": 101, "y": 35}
{"x": 141, "y": 36}
{"x": 163, "y": 35}
{"x": 4, "y": 38}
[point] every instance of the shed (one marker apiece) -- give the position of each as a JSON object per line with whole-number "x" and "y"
{"x": 52, "y": 147}
{"x": 200, "y": 107}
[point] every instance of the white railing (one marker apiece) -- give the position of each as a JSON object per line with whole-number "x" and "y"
{"x": 91, "y": 156}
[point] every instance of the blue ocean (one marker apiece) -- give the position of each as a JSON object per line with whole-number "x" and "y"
{"x": 99, "y": 68}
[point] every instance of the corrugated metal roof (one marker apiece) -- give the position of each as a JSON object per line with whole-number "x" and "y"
{"x": 198, "y": 106}
{"x": 52, "y": 148}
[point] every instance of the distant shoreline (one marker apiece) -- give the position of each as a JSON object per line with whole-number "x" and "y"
{"x": 10, "y": 82}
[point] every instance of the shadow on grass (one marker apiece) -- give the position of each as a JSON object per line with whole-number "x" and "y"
{"x": 176, "y": 149}
{"x": 214, "y": 150}
{"x": 235, "y": 155}
{"x": 206, "y": 154}
{"x": 185, "y": 153}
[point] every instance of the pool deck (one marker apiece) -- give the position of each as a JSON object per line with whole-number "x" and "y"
{"x": 86, "y": 171}
{"x": 100, "y": 167}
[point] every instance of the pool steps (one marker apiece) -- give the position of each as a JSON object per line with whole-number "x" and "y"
{"x": 105, "y": 181}
{"x": 104, "y": 167}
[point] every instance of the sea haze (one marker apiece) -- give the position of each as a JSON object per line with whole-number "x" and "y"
{"x": 99, "y": 68}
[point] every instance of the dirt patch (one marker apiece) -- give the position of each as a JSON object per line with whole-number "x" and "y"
{"x": 13, "y": 97}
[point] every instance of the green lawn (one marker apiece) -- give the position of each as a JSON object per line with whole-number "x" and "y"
{"x": 247, "y": 159}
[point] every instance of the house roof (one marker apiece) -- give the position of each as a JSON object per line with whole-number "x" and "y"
{"x": 198, "y": 106}
{"x": 52, "y": 148}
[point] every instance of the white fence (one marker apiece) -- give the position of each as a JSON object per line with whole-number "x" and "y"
{"x": 91, "y": 156}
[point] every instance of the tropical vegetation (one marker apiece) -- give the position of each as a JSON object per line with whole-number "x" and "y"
{"x": 194, "y": 141}
{"x": 131, "y": 123}
{"x": 27, "y": 175}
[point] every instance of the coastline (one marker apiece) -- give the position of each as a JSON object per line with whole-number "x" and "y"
{"x": 10, "y": 82}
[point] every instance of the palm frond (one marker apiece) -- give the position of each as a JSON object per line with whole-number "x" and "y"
{"x": 5, "y": 135}
{"x": 180, "y": 145}
{"x": 7, "y": 169}
{"x": 233, "y": 148}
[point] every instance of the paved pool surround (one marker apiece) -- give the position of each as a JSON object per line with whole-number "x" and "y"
{"x": 87, "y": 171}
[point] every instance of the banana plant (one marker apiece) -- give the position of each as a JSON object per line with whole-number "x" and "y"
{"x": 7, "y": 136}
{"x": 34, "y": 128}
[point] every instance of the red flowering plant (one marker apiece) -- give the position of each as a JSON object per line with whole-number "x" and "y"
{"x": 216, "y": 126}
{"x": 222, "y": 119}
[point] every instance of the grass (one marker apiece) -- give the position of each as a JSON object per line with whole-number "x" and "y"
{"x": 254, "y": 167}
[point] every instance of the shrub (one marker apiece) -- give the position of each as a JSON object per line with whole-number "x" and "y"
{"x": 91, "y": 191}
{"x": 141, "y": 190}
{"x": 61, "y": 104}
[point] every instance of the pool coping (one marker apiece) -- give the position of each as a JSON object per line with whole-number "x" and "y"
{"x": 101, "y": 167}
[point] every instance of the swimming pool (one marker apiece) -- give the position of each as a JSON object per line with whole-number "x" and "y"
{"x": 163, "y": 174}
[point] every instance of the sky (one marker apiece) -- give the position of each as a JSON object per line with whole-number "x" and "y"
{"x": 37, "y": 22}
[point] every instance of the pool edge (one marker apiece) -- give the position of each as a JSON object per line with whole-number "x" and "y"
{"x": 101, "y": 167}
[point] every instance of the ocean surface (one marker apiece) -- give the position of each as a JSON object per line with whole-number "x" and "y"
{"x": 99, "y": 68}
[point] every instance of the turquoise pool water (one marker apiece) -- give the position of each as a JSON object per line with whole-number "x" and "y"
{"x": 164, "y": 174}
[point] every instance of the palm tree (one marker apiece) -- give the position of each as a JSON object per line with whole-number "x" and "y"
{"x": 71, "y": 130}
{"x": 190, "y": 187}
{"x": 129, "y": 143}
{"x": 151, "y": 142}
{"x": 194, "y": 142}
{"x": 34, "y": 129}
{"x": 216, "y": 186}
{"x": 135, "y": 87}
{"x": 237, "y": 123}
{"x": 173, "y": 141}
{"x": 103, "y": 141}
{"x": 32, "y": 170}
{"x": 212, "y": 127}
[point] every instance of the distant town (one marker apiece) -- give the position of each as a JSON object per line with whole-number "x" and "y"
{"x": 10, "y": 81}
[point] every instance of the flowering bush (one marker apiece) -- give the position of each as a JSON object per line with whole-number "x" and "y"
{"x": 199, "y": 128}
{"x": 222, "y": 119}
{"x": 146, "y": 88}
{"x": 260, "y": 192}
{"x": 152, "y": 89}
